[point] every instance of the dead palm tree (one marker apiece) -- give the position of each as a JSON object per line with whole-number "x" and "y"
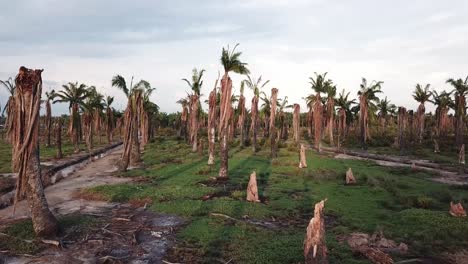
{"x": 10, "y": 107}
{"x": 184, "y": 102}
{"x": 49, "y": 97}
{"x": 320, "y": 85}
{"x": 195, "y": 85}
{"x": 230, "y": 59}
{"x": 73, "y": 94}
{"x": 367, "y": 96}
{"x": 255, "y": 84}
{"x": 345, "y": 115}
{"x": 461, "y": 89}
{"x": 109, "y": 118}
{"x": 330, "y": 110}
{"x": 134, "y": 93}
{"x": 92, "y": 110}
{"x": 385, "y": 107}
{"x": 26, "y": 151}
{"x": 443, "y": 103}
{"x": 421, "y": 95}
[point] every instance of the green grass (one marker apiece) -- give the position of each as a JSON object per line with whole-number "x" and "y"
{"x": 404, "y": 204}
{"x": 20, "y": 237}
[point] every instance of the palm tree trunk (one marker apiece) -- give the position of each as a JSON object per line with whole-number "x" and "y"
{"x": 401, "y": 127}
{"x": 194, "y": 122}
{"x": 110, "y": 125}
{"x": 58, "y": 138}
{"x": 75, "y": 127}
{"x": 29, "y": 182}
{"x": 273, "y": 133}
{"x": 254, "y": 122}
{"x": 48, "y": 122}
{"x": 318, "y": 112}
{"x": 460, "y": 115}
{"x": 330, "y": 118}
{"x": 363, "y": 120}
{"x": 296, "y": 123}
{"x": 420, "y": 122}
{"x": 211, "y": 126}
{"x": 241, "y": 123}
{"x": 225, "y": 114}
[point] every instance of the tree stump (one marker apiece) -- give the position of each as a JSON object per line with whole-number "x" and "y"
{"x": 349, "y": 177}
{"x": 457, "y": 210}
{"x": 315, "y": 248}
{"x": 302, "y": 157}
{"x": 252, "y": 190}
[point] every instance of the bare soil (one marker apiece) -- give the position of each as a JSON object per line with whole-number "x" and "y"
{"x": 124, "y": 233}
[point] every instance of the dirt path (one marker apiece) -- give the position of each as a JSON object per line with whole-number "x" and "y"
{"x": 61, "y": 196}
{"x": 122, "y": 233}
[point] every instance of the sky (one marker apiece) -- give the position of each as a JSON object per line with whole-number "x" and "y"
{"x": 285, "y": 41}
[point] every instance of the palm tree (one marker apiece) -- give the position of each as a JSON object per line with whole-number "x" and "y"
{"x": 443, "y": 102}
{"x": 10, "y": 107}
{"x": 330, "y": 112}
{"x": 134, "y": 93}
{"x": 283, "y": 105}
{"x": 49, "y": 96}
{"x": 242, "y": 114}
{"x": 230, "y": 59}
{"x": 73, "y": 94}
{"x": 385, "y": 107}
{"x": 345, "y": 115}
{"x": 26, "y": 151}
{"x": 265, "y": 112}
{"x": 367, "y": 96}
{"x": 255, "y": 84}
{"x": 92, "y": 110}
{"x": 320, "y": 85}
{"x": 421, "y": 95}
{"x": 461, "y": 89}
{"x": 195, "y": 85}
{"x": 184, "y": 102}
{"x": 148, "y": 113}
{"x": 109, "y": 118}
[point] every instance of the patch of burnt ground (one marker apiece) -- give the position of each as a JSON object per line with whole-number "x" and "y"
{"x": 122, "y": 235}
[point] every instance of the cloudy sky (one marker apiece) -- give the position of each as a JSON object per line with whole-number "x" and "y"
{"x": 399, "y": 42}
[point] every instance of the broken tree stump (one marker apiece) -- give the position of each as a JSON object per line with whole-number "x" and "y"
{"x": 457, "y": 210}
{"x": 350, "y": 177}
{"x": 315, "y": 248}
{"x": 252, "y": 190}
{"x": 302, "y": 157}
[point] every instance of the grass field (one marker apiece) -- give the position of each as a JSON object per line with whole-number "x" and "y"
{"x": 402, "y": 203}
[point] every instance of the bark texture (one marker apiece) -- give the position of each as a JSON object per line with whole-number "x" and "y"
{"x": 211, "y": 125}
{"x": 302, "y": 157}
{"x": 194, "y": 121}
{"x": 315, "y": 248}
{"x": 252, "y": 190}
{"x": 273, "y": 131}
{"x": 318, "y": 112}
{"x": 254, "y": 122}
{"x": 296, "y": 123}
{"x": 350, "y": 177}
{"x": 224, "y": 121}
{"x": 58, "y": 138}
{"x": 29, "y": 183}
